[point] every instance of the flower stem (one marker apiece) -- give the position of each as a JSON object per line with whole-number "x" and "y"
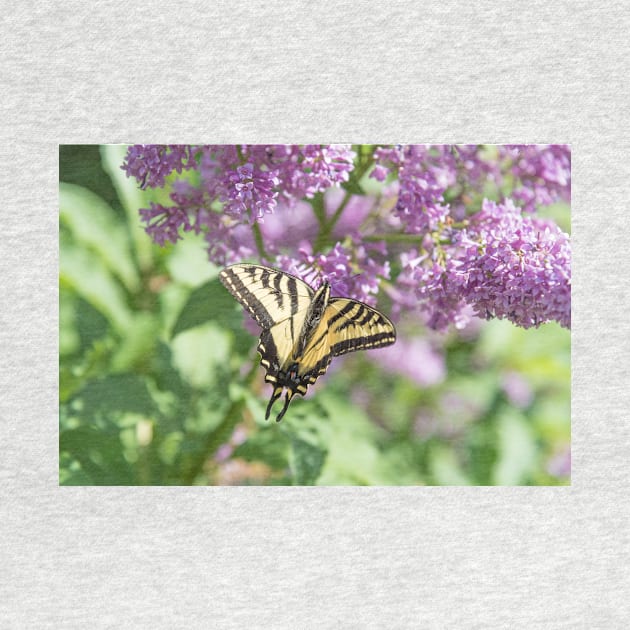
{"x": 395, "y": 238}
{"x": 326, "y": 227}
{"x": 260, "y": 245}
{"x": 219, "y": 435}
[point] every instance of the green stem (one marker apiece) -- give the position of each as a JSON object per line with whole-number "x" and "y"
{"x": 258, "y": 237}
{"x": 318, "y": 208}
{"x": 220, "y": 435}
{"x": 396, "y": 238}
{"x": 213, "y": 440}
{"x": 327, "y": 226}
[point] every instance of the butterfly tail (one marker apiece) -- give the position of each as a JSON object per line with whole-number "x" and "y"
{"x": 277, "y": 392}
{"x": 287, "y": 400}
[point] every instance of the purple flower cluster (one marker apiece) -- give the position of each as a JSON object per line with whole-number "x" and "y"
{"x": 542, "y": 173}
{"x": 353, "y": 270}
{"x": 515, "y": 266}
{"x": 249, "y": 190}
{"x": 245, "y": 181}
{"x": 306, "y": 171}
{"x": 503, "y": 264}
{"x": 414, "y": 358}
{"x": 422, "y": 181}
{"x": 165, "y": 223}
{"x": 150, "y": 164}
{"x": 432, "y": 237}
{"x": 539, "y": 175}
{"x": 427, "y": 286}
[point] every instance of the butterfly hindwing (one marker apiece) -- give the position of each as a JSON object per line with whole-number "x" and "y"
{"x": 316, "y": 357}
{"x": 287, "y": 369}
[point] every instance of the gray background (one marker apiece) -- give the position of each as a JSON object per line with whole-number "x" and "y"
{"x": 323, "y": 557}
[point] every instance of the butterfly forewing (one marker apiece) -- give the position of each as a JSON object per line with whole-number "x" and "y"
{"x": 357, "y": 326}
{"x": 269, "y": 296}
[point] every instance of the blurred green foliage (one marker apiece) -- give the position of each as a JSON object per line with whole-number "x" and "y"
{"x": 160, "y": 383}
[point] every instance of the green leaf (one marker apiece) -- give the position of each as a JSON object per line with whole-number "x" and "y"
{"x": 212, "y": 302}
{"x": 481, "y": 447}
{"x": 111, "y": 396}
{"x": 268, "y": 445}
{"x": 99, "y": 454}
{"x": 188, "y": 264}
{"x": 90, "y": 323}
{"x": 193, "y": 466}
{"x": 95, "y": 421}
{"x": 444, "y": 467}
{"x": 516, "y": 448}
{"x": 94, "y": 363}
{"x": 199, "y": 352}
{"x": 137, "y": 344}
{"x": 88, "y": 276}
{"x": 80, "y": 164}
{"x": 351, "y": 439}
{"x": 307, "y": 460}
{"x": 132, "y": 199}
{"x": 95, "y": 226}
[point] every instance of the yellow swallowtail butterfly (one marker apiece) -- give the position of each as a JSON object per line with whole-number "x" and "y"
{"x": 302, "y": 329}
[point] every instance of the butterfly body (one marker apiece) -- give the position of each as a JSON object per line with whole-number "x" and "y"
{"x": 302, "y": 329}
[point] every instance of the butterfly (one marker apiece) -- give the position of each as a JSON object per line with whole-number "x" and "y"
{"x": 302, "y": 329}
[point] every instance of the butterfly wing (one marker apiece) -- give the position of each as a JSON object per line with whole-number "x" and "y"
{"x": 298, "y": 370}
{"x": 279, "y": 303}
{"x": 269, "y": 296}
{"x": 347, "y": 325}
{"x": 357, "y": 326}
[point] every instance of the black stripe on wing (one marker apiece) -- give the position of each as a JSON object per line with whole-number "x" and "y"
{"x": 268, "y": 295}
{"x": 233, "y": 282}
{"x": 292, "y": 377}
{"x": 357, "y": 326}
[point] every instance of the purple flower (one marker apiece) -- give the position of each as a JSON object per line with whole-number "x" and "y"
{"x": 228, "y": 241}
{"x": 422, "y": 182}
{"x": 223, "y": 452}
{"x": 337, "y": 267}
{"x": 560, "y": 464}
{"x": 517, "y": 389}
{"x": 151, "y": 163}
{"x": 414, "y": 358}
{"x": 542, "y": 173}
{"x": 304, "y": 171}
{"x": 316, "y": 168}
{"x": 163, "y": 224}
{"x": 290, "y": 226}
{"x": 454, "y": 260}
{"x": 334, "y": 267}
{"x": 504, "y": 264}
{"x": 424, "y": 284}
{"x": 249, "y": 192}
{"x": 515, "y": 267}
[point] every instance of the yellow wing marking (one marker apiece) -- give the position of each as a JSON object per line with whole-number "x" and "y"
{"x": 357, "y": 326}
{"x": 269, "y": 296}
{"x": 293, "y": 353}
